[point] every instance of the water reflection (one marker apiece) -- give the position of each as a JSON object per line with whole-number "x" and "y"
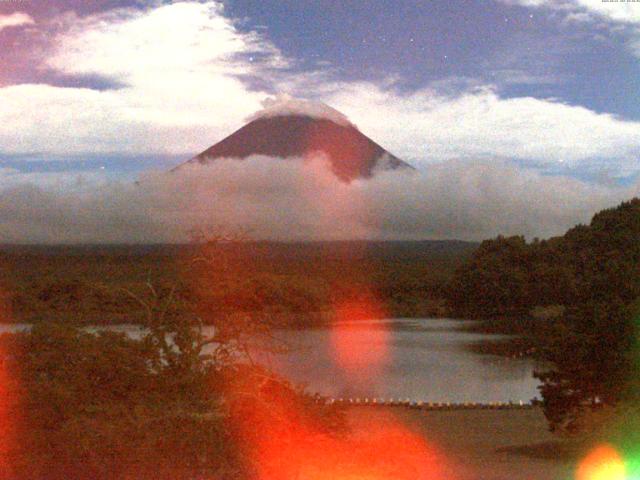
{"x": 428, "y": 360}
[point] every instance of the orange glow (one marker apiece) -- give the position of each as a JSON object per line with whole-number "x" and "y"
{"x": 384, "y": 450}
{"x": 287, "y": 438}
{"x": 8, "y": 419}
{"x": 350, "y": 156}
{"x": 359, "y": 356}
{"x": 8, "y": 397}
{"x": 5, "y": 420}
{"x": 602, "y": 463}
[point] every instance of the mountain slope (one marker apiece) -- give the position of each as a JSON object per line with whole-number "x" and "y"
{"x": 352, "y": 154}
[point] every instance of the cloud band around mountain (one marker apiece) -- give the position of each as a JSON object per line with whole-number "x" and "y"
{"x": 301, "y": 199}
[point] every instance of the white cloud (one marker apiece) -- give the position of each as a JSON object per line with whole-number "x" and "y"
{"x": 44, "y": 118}
{"x": 139, "y": 46}
{"x": 284, "y": 104}
{"x": 292, "y": 199}
{"x": 420, "y": 127}
{"x": 61, "y": 182}
{"x": 17, "y": 19}
{"x": 578, "y": 17}
{"x": 614, "y": 11}
{"x": 180, "y": 65}
{"x": 626, "y": 12}
{"x": 426, "y": 126}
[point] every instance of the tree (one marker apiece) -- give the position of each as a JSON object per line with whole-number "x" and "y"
{"x": 495, "y": 280}
{"x": 98, "y": 406}
{"x": 592, "y": 354}
{"x": 589, "y": 353}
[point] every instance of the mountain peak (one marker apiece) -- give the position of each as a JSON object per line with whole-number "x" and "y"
{"x": 289, "y": 127}
{"x": 284, "y": 105}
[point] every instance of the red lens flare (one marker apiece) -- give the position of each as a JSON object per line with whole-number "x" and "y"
{"x": 9, "y": 394}
{"x": 286, "y": 437}
{"x": 359, "y": 352}
{"x": 7, "y": 414}
{"x": 602, "y": 463}
{"x": 381, "y": 450}
{"x": 351, "y": 156}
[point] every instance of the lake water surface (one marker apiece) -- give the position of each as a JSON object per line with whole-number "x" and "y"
{"x": 424, "y": 360}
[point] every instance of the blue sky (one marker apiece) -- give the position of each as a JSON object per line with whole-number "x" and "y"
{"x": 525, "y": 51}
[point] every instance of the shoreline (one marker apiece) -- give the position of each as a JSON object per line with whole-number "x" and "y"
{"x": 483, "y": 444}
{"x": 429, "y": 406}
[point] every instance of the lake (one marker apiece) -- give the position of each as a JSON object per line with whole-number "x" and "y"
{"x": 425, "y": 360}
{"x": 419, "y": 359}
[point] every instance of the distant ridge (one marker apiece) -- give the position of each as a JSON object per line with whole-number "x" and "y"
{"x": 340, "y": 248}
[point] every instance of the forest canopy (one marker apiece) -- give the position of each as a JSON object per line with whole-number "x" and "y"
{"x": 588, "y": 284}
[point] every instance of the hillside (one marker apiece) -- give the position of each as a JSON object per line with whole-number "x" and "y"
{"x": 89, "y": 284}
{"x": 509, "y": 277}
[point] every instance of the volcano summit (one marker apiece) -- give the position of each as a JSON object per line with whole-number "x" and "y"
{"x": 289, "y": 127}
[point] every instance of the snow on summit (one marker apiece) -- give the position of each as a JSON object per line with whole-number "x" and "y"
{"x": 284, "y": 105}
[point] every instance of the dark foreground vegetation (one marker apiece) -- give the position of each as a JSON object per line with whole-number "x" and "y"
{"x": 298, "y": 283}
{"x": 82, "y": 406}
{"x": 172, "y": 404}
{"x": 573, "y": 301}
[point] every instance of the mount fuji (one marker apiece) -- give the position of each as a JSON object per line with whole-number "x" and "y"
{"x": 290, "y": 127}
